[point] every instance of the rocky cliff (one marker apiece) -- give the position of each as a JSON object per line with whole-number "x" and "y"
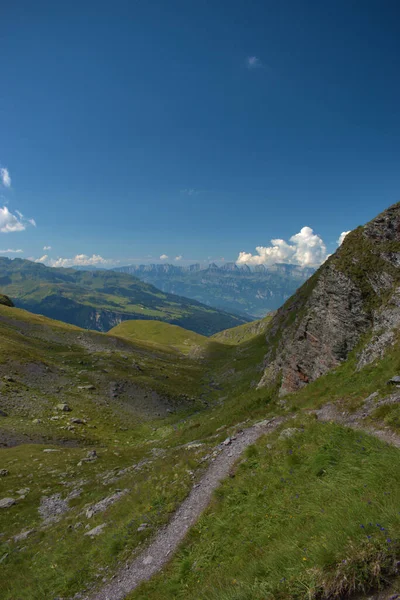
{"x": 354, "y": 298}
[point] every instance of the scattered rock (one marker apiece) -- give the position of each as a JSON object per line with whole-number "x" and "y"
{"x": 90, "y": 457}
{"x": 7, "y": 502}
{"x": 9, "y": 379}
{"x": 23, "y": 492}
{"x": 23, "y": 535}
{"x": 96, "y": 530}
{"x": 63, "y": 407}
{"x": 86, "y": 387}
{"x": 227, "y": 442}
{"x": 289, "y": 432}
{"x": 50, "y": 450}
{"x": 37, "y": 421}
{"x": 52, "y": 507}
{"x": 142, "y": 527}
{"x": 148, "y": 560}
{"x": 77, "y": 421}
{"x": 394, "y": 380}
{"x": 3, "y": 472}
{"x": 105, "y": 503}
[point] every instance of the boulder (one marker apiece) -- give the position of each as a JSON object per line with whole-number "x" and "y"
{"x": 7, "y": 502}
{"x": 63, "y": 407}
{"x": 96, "y": 530}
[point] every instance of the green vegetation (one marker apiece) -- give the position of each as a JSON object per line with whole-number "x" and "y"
{"x": 101, "y": 299}
{"x": 243, "y": 333}
{"x": 164, "y": 334}
{"x": 312, "y": 516}
{"x": 5, "y": 300}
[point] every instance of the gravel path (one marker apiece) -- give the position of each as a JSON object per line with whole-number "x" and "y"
{"x": 168, "y": 539}
{"x": 331, "y": 412}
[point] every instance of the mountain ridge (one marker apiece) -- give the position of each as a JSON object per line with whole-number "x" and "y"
{"x": 250, "y": 291}
{"x": 102, "y": 299}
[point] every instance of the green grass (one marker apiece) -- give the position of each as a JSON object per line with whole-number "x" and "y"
{"x": 243, "y": 333}
{"x": 163, "y": 334}
{"x": 236, "y": 551}
{"x": 299, "y": 520}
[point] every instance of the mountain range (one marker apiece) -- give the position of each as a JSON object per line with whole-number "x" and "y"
{"x": 155, "y": 463}
{"x": 244, "y": 290}
{"x": 101, "y": 299}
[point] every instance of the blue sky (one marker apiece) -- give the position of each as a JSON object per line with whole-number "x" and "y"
{"x": 195, "y": 129}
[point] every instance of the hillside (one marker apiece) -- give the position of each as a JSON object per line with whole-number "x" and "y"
{"x": 354, "y": 294}
{"x": 308, "y": 508}
{"x": 240, "y": 289}
{"x": 101, "y": 299}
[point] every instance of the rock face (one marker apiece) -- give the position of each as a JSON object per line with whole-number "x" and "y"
{"x": 354, "y": 292}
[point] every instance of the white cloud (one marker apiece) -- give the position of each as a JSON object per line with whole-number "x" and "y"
{"x": 341, "y": 237}
{"x": 80, "y": 260}
{"x": 46, "y": 247}
{"x": 253, "y": 62}
{"x": 190, "y": 192}
{"x": 10, "y": 251}
{"x": 305, "y": 248}
{"x": 5, "y": 177}
{"x": 10, "y": 223}
{"x": 179, "y": 257}
{"x": 163, "y": 257}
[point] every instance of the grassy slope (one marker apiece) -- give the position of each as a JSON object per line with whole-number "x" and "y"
{"x": 78, "y": 296}
{"x": 295, "y": 549}
{"x": 243, "y": 333}
{"x": 164, "y": 334}
{"x": 59, "y": 559}
{"x": 312, "y": 516}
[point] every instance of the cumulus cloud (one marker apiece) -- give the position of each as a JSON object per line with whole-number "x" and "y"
{"x": 80, "y": 260}
{"x": 10, "y": 223}
{"x": 46, "y": 247}
{"x": 253, "y": 62}
{"x": 10, "y": 251}
{"x": 163, "y": 257}
{"x": 341, "y": 237}
{"x": 305, "y": 249}
{"x": 5, "y": 177}
{"x": 179, "y": 257}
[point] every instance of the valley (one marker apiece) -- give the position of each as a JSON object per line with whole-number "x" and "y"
{"x": 109, "y": 439}
{"x": 102, "y": 299}
{"x": 252, "y": 292}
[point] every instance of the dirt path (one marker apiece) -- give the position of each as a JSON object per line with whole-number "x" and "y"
{"x": 356, "y": 420}
{"x": 160, "y": 551}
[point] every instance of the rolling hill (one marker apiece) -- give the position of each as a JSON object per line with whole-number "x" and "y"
{"x": 101, "y": 299}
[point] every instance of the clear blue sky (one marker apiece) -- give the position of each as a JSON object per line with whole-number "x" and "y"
{"x": 196, "y": 128}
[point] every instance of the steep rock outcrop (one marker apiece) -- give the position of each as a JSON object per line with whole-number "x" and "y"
{"x": 354, "y": 292}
